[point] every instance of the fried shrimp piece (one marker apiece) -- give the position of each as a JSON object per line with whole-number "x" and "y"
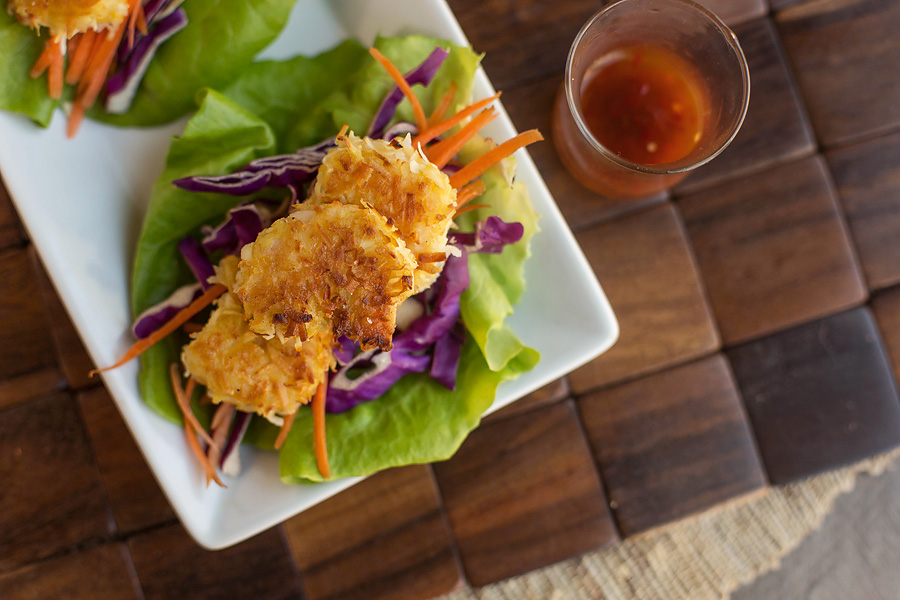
{"x": 239, "y": 367}
{"x": 331, "y": 267}
{"x": 65, "y": 18}
{"x": 397, "y": 181}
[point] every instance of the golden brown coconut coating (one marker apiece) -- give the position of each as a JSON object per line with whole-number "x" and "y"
{"x": 332, "y": 267}
{"x": 65, "y": 18}
{"x": 402, "y": 185}
{"x": 253, "y": 373}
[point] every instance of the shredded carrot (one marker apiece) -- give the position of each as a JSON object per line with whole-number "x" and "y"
{"x": 469, "y": 193}
{"x": 493, "y": 156}
{"x": 221, "y": 423}
{"x": 442, "y": 106}
{"x": 285, "y": 429}
{"x": 76, "y": 116}
{"x": 441, "y": 153}
{"x": 78, "y": 61}
{"x": 437, "y": 129}
{"x": 400, "y": 80}
{"x": 321, "y": 449}
{"x": 177, "y": 321}
{"x": 135, "y": 17}
{"x": 43, "y": 61}
{"x": 184, "y": 403}
{"x": 470, "y": 207}
{"x": 55, "y": 76}
{"x": 343, "y": 130}
{"x": 190, "y": 430}
{"x": 98, "y": 67}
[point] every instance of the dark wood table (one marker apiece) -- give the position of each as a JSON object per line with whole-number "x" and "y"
{"x": 760, "y": 319}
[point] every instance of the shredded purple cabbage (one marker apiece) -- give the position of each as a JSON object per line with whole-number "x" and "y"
{"x": 423, "y": 74}
{"x": 238, "y": 429}
{"x": 159, "y": 314}
{"x": 197, "y": 260}
{"x": 134, "y": 61}
{"x": 284, "y": 170}
{"x": 243, "y": 223}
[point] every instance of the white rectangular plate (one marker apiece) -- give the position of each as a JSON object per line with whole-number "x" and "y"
{"x": 83, "y": 201}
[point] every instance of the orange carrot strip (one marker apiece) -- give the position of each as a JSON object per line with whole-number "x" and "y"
{"x": 184, "y": 403}
{"x": 469, "y": 193}
{"x": 441, "y": 153}
{"x": 190, "y": 432}
{"x": 177, "y": 321}
{"x": 321, "y": 449}
{"x": 136, "y": 14}
{"x": 493, "y": 156}
{"x": 285, "y": 428}
{"x": 75, "y": 119}
{"x": 98, "y": 68}
{"x": 438, "y": 114}
{"x": 80, "y": 56}
{"x": 141, "y": 19}
{"x": 55, "y": 76}
{"x": 221, "y": 423}
{"x": 470, "y": 207}
{"x": 400, "y": 80}
{"x": 437, "y": 129}
{"x": 43, "y": 61}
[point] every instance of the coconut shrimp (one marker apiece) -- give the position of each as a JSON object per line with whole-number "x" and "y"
{"x": 266, "y": 376}
{"x": 396, "y": 180}
{"x": 331, "y": 267}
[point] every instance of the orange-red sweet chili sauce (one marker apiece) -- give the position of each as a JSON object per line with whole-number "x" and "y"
{"x": 645, "y": 103}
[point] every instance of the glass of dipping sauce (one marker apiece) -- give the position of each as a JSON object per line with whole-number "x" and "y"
{"x": 653, "y": 89}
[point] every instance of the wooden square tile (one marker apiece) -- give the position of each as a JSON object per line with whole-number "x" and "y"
{"x": 550, "y": 393}
{"x": 52, "y": 498}
{"x": 73, "y": 358}
{"x": 530, "y": 107}
{"x": 846, "y": 58}
{"x": 645, "y": 266}
{"x": 25, "y": 343}
{"x": 135, "y": 497}
{"x": 886, "y": 306}
{"x": 11, "y": 233}
{"x": 736, "y": 11}
{"x": 170, "y": 564}
{"x": 100, "y": 573}
{"x": 776, "y": 128}
{"x": 773, "y": 250}
{"x": 867, "y": 177}
{"x": 820, "y": 396}
{"x": 499, "y": 28}
{"x": 30, "y": 385}
{"x": 672, "y": 444}
{"x": 383, "y": 538}
{"x": 523, "y": 493}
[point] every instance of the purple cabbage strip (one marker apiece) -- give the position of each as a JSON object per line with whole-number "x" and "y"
{"x": 238, "y": 429}
{"x": 489, "y": 237}
{"x": 423, "y": 74}
{"x": 243, "y": 224}
{"x": 385, "y": 369}
{"x": 158, "y": 315}
{"x": 401, "y": 130}
{"x": 447, "y": 352}
{"x": 123, "y": 85}
{"x": 284, "y": 170}
{"x": 345, "y": 350}
{"x": 196, "y": 259}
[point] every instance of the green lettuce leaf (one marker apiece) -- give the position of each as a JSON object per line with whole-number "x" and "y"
{"x": 277, "y": 107}
{"x": 221, "y": 39}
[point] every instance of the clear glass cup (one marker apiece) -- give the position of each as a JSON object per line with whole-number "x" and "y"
{"x": 703, "y": 52}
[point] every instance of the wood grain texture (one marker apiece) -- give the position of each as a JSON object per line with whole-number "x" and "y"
{"x": 385, "y": 538}
{"x": 31, "y": 385}
{"x": 523, "y": 493}
{"x": 499, "y": 27}
{"x": 773, "y": 250}
{"x": 550, "y": 393}
{"x": 886, "y": 307}
{"x": 819, "y": 396}
{"x": 672, "y": 444}
{"x": 135, "y": 497}
{"x": 776, "y": 128}
{"x": 646, "y": 268}
{"x": 170, "y": 565}
{"x": 736, "y": 11}
{"x": 832, "y": 45}
{"x": 11, "y": 233}
{"x": 867, "y": 177}
{"x": 25, "y": 343}
{"x": 530, "y": 107}
{"x": 70, "y": 352}
{"x": 101, "y": 573}
{"x": 51, "y": 498}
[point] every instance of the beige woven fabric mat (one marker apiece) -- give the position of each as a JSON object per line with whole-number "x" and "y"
{"x": 701, "y": 558}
